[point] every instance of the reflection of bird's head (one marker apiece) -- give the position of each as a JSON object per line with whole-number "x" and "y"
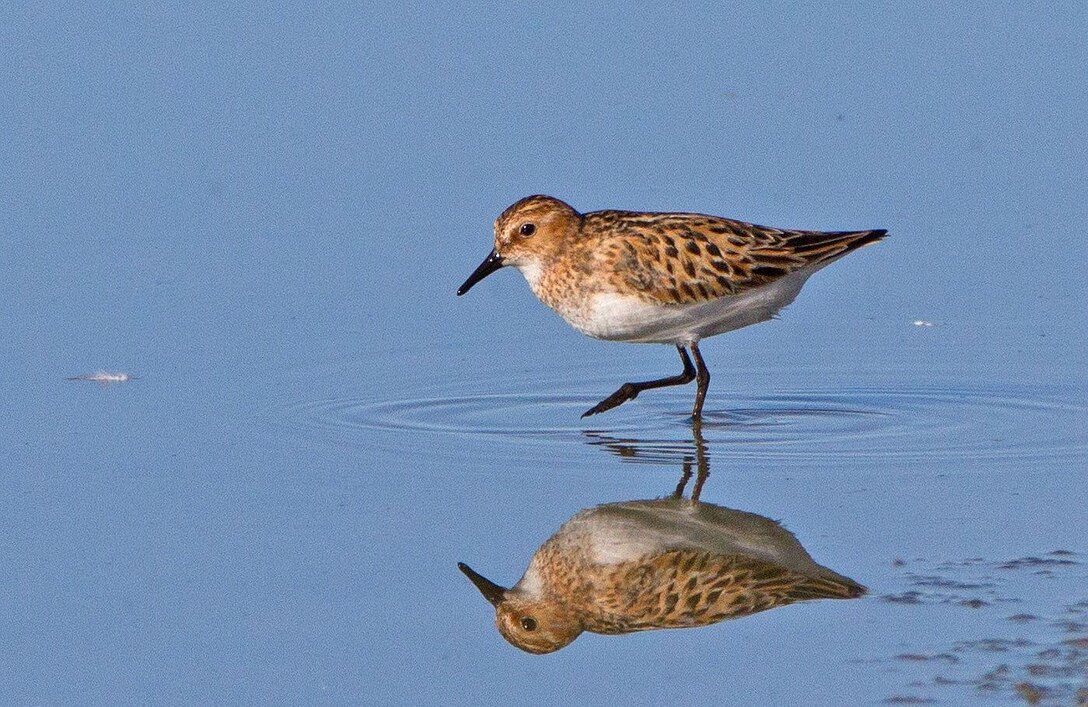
{"x": 533, "y": 624}
{"x": 536, "y": 625}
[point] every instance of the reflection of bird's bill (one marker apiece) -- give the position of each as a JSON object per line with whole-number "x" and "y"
{"x": 491, "y": 263}
{"x": 491, "y": 591}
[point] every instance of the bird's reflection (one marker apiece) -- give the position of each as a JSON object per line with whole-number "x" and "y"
{"x": 674, "y": 562}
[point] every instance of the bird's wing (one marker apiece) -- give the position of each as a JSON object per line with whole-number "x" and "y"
{"x": 692, "y": 258}
{"x": 691, "y": 588}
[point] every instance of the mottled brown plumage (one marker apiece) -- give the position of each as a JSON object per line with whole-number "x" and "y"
{"x": 658, "y": 277}
{"x": 642, "y": 565}
{"x": 682, "y": 588}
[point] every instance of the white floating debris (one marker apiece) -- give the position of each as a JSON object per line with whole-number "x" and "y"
{"x": 105, "y": 378}
{"x": 922, "y": 322}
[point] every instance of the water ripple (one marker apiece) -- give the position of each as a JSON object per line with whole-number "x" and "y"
{"x": 982, "y": 423}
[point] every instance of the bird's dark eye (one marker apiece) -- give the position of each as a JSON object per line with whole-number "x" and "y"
{"x": 528, "y": 623}
{"x": 527, "y": 229}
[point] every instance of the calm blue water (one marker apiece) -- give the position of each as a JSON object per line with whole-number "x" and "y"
{"x": 264, "y": 211}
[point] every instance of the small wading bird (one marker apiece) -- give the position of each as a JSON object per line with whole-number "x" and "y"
{"x": 669, "y": 563}
{"x": 658, "y": 277}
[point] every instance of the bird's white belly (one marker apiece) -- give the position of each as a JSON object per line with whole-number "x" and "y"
{"x": 620, "y": 317}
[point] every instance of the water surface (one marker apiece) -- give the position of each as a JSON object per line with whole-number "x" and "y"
{"x": 263, "y": 213}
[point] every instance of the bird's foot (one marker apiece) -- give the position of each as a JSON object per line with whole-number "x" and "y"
{"x": 626, "y": 392}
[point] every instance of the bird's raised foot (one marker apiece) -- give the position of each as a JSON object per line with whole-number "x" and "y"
{"x": 627, "y": 391}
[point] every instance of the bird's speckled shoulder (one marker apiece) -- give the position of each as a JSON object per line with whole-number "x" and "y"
{"x": 687, "y": 258}
{"x": 684, "y": 588}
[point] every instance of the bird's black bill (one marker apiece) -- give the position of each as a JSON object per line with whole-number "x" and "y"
{"x": 491, "y": 591}
{"x": 491, "y": 263}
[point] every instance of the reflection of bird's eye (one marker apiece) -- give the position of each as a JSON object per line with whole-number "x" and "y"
{"x": 527, "y": 229}
{"x": 528, "y": 623}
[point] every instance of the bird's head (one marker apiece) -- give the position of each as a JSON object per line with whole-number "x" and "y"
{"x": 527, "y": 234}
{"x": 533, "y": 624}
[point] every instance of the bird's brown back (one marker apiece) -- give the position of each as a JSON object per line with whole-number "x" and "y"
{"x": 691, "y": 258}
{"x": 684, "y": 588}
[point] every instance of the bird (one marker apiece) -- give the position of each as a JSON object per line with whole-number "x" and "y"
{"x": 654, "y": 564}
{"x": 666, "y": 278}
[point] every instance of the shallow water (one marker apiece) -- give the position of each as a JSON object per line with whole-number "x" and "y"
{"x": 263, "y": 215}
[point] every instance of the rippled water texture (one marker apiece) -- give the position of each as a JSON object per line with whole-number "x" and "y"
{"x": 1007, "y": 424}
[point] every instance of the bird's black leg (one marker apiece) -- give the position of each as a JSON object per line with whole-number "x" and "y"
{"x": 630, "y": 391}
{"x": 703, "y": 378}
